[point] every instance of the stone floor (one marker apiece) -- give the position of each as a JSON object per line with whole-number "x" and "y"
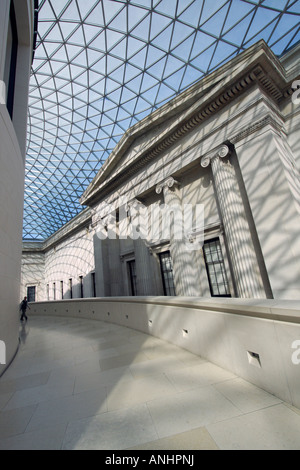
{"x": 78, "y": 384}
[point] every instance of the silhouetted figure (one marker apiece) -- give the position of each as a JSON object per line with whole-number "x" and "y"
{"x": 23, "y": 307}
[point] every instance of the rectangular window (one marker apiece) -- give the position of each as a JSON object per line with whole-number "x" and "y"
{"x": 31, "y": 292}
{"x": 215, "y": 268}
{"x": 71, "y": 288}
{"x": 132, "y": 277}
{"x": 93, "y": 284}
{"x": 166, "y": 267}
{"x": 62, "y": 289}
{"x": 48, "y": 293}
{"x": 54, "y": 291}
{"x": 81, "y": 286}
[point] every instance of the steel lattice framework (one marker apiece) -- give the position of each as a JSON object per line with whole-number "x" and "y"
{"x": 102, "y": 65}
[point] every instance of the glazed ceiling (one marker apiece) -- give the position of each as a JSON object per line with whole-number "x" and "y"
{"x": 100, "y": 66}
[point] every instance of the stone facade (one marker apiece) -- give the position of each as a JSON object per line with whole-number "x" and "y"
{"x": 201, "y": 198}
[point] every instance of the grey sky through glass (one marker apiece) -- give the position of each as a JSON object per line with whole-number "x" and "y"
{"x": 101, "y": 66}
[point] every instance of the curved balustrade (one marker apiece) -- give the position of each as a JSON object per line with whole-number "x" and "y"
{"x": 258, "y": 340}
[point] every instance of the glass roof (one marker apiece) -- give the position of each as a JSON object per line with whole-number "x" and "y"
{"x": 100, "y": 66}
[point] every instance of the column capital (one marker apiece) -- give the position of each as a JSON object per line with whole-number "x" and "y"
{"x": 168, "y": 183}
{"x": 221, "y": 152}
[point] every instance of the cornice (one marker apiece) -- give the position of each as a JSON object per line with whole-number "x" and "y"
{"x": 268, "y": 120}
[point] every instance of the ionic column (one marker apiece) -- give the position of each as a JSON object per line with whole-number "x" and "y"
{"x": 238, "y": 236}
{"x": 185, "y": 269}
{"x": 144, "y": 274}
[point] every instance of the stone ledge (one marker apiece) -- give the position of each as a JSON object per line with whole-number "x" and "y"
{"x": 278, "y": 310}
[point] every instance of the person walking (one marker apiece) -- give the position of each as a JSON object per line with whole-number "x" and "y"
{"x": 23, "y": 307}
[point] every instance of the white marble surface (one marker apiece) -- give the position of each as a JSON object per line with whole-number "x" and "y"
{"x": 83, "y": 384}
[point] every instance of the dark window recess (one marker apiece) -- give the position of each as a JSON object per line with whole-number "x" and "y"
{"x": 166, "y": 267}
{"x": 31, "y": 293}
{"x": 71, "y": 288}
{"x": 215, "y": 267}
{"x": 81, "y": 286}
{"x": 36, "y": 21}
{"x": 11, "y": 60}
{"x": 94, "y": 284}
{"x": 132, "y": 277}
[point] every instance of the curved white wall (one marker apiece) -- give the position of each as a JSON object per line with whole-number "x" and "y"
{"x": 227, "y": 332}
{"x": 12, "y": 158}
{"x": 11, "y": 216}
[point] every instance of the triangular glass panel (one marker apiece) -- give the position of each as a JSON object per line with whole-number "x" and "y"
{"x": 223, "y": 52}
{"x": 237, "y": 12}
{"x": 142, "y": 30}
{"x": 119, "y": 23}
{"x": 172, "y": 66}
{"x": 112, "y": 38}
{"x": 157, "y": 69}
{"x": 215, "y": 25}
{"x": 133, "y": 46}
{"x": 135, "y": 15}
{"x": 182, "y": 51}
{"x": 164, "y": 38}
{"x": 191, "y": 15}
{"x": 71, "y": 13}
{"x": 111, "y": 8}
{"x": 261, "y": 19}
{"x": 211, "y": 8}
{"x": 158, "y": 24}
